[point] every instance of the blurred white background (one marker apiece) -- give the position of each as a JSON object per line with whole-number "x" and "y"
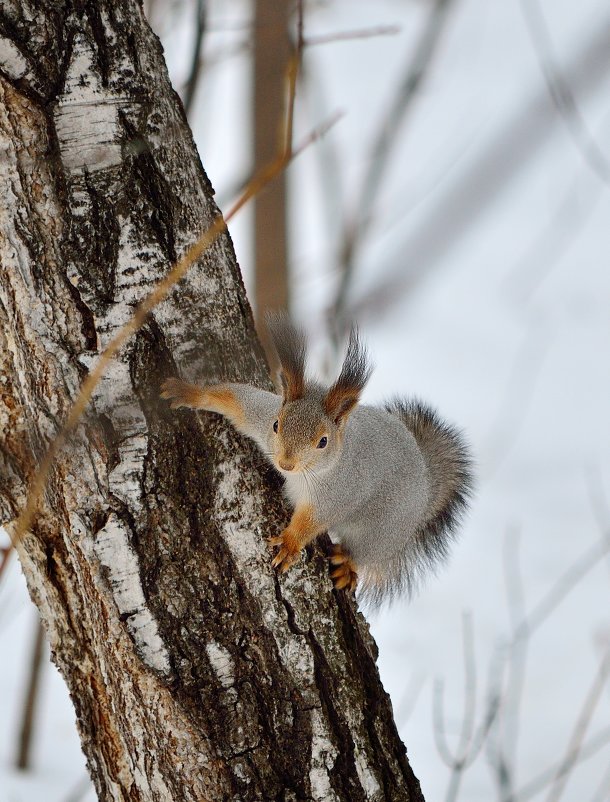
{"x": 481, "y": 285}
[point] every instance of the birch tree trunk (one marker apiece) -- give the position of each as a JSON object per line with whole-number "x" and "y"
{"x": 196, "y": 673}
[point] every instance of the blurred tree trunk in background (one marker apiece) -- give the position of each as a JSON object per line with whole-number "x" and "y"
{"x": 272, "y": 53}
{"x": 195, "y": 672}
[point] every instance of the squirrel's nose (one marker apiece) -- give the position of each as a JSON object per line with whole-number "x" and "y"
{"x": 285, "y": 465}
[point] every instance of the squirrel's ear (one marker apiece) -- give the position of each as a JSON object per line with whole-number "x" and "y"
{"x": 345, "y": 392}
{"x": 289, "y": 343}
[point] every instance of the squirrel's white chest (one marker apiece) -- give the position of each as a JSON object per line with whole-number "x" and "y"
{"x": 297, "y": 489}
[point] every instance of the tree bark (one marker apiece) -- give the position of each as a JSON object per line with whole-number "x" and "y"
{"x": 196, "y": 673}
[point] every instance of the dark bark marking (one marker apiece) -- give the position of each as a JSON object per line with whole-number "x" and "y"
{"x": 150, "y": 193}
{"x": 343, "y": 776}
{"x": 377, "y": 711}
{"x": 88, "y": 328}
{"x": 92, "y": 12}
{"x": 98, "y": 236}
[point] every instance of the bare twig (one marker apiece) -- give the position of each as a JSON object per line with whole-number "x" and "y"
{"x": 160, "y": 291}
{"x": 492, "y": 173}
{"x": 294, "y": 66}
{"x": 599, "y": 502}
{"x": 542, "y": 780}
{"x": 470, "y": 682}
{"x": 470, "y": 740}
{"x": 597, "y": 494}
{"x": 383, "y": 146}
{"x": 80, "y": 789}
{"x": 196, "y": 61}
{"x": 5, "y": 554}
{"x": 514, "y": 653}
{"x": 30, "y": 702}
{"x": 524, "y": 374}
{"x": 347, "y": 36}
{"x": 502, "y": 755}
{"x": 561, "y": 93}
{"x": 558, "y": 592}
{"x": 408, "y": 700}
{"x": 550, "y": 245}
{"x": 580, "y": 730}
{"x": 602, "y": 793}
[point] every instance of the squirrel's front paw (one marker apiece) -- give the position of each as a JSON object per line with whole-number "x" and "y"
{"x": 179, "y": 393}
{"x": 289, "y": 552}
{"x": 344, "y": 575}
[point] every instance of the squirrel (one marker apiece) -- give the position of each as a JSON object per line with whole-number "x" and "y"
{"x": 388, "y": 484}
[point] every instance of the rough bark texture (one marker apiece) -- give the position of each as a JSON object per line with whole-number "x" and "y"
{"x": 195, "y": 672}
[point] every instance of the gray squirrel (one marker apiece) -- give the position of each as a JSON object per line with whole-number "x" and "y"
{"x": 388, "y": 484}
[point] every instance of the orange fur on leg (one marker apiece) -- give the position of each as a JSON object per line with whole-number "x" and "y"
{"x": 218, "y": 398}
{"x": 301, "y": 530}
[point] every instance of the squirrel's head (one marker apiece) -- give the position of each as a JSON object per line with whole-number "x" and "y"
{"x": 308, "y": 432}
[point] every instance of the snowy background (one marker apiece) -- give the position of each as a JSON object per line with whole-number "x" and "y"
{"x": 483, "y": 287}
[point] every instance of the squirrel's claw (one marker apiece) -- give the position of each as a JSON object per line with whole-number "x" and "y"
{"x": 172, "y": 390}
{"x": 344, "y": 575}
{"x": 181, "y": 394}
{"x": 284, "y": 560}
{"x": 288, "y": 553}
{"x": 339, "y": 558}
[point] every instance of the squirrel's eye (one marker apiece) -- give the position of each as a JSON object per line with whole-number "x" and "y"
{"x": 275, "y": 425}
{"x": 323, "y": 442}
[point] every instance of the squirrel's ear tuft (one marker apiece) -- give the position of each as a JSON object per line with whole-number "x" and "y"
{"x": 345, "y": 392}
{"x": 289, "y": 342}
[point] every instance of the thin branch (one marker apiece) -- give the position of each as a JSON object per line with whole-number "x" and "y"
{"x": 5, "y": 554}
{"x": 80, "y": 789}
{"x": 558, "y": 592}
{"x": 196, "y": 61}
{"x": 293, "y": 68}
{"x": 599, "y": 502}
{"x": 30, "y": 702}
{"x": 521, "y": 383}
{"x": 550, "y": 245}
{"x": 518, "y": 655}
{"x": 409, "y": 699}
{"x": 383, "y": 146}
{"x": 158, "y": 294}
{"x": 348, "y": 36}
{"x": 470, "y": 682}
{"x": 561, "y": 93}
{"x": 602, "y": 794}
{"x": 501, "y": 752}
{"x": 498, "y": 164}
{"x": 597, "y": 495}
{"x": 470, "y": 740}
{"x": 580, "y": 730}
{"x": 542, "y": 780}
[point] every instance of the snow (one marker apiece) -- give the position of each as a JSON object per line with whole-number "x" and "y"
{"x": 493, "y": 229}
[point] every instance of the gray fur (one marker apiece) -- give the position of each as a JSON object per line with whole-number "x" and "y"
{"x": 390, "y": 486}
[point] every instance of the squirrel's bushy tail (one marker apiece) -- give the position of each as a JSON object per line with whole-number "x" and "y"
{"x": 449, "y": 467}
